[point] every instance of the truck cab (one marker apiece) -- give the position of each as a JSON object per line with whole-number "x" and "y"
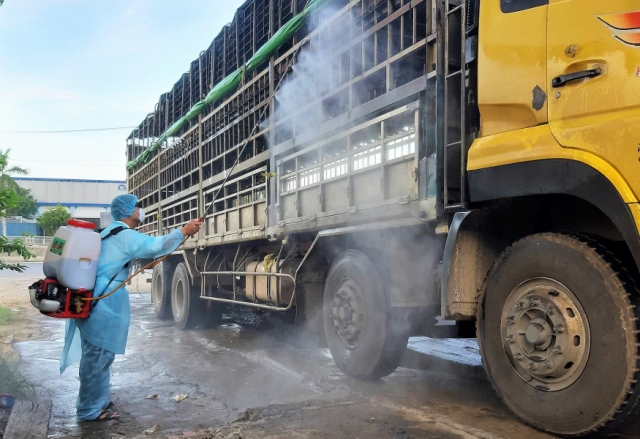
{"x": 545, "y": 250}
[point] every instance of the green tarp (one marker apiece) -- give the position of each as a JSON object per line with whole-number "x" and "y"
{"x": 195, "y": 110}
{"x": 278, "y": 39}
{"x": 228, "y": 84}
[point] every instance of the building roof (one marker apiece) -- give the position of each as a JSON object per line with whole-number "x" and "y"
{"x": 69, "y": 180}
{"x": 75, "y": 193}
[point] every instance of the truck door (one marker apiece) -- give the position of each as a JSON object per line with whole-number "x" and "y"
{"x": 512, "y": 55}
{"x": 594, "y": 81}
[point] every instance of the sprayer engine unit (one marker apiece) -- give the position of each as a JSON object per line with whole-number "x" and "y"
{"x": 70, "y": 267}
{"x": 55, "y": 300}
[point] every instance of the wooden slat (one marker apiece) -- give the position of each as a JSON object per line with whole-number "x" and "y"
{"x": 29, "y": 420}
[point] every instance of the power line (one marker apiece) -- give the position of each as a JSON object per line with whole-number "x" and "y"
{"x": 88, "y": 164}
{"x": 84, "y": 130}
{"x": 98, "y": 162}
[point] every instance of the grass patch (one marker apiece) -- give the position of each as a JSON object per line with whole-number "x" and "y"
{"x": 6, "y": 315}
{"x": 12, "y": 382}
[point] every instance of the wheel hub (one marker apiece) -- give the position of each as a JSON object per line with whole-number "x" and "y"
{"x": 545, "y": 334}
{"x": 538, "y": 333}
{"x": 349, "y": 313}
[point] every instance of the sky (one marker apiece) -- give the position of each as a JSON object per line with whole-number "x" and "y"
{"x": 87, "y": 64}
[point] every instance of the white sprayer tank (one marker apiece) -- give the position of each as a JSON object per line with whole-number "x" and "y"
{"x": 72, "y": 258}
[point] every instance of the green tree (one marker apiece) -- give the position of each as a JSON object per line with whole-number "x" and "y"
{"x": 26, "y": 205}
{"x": 52, "y": 219}
{"x": 8, "y": 200}
{"x": 6, "y": 181}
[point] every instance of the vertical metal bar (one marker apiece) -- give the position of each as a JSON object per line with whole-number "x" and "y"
{"x": 254, "y": 281}
{"x": 273, "y": 182}
{"x": 166, "y": 113}
{"x": 159, "y": 180}
{"x": 383, "y": 159}
{"x": 272, "y": 8}
{"x": 297, "y": 202}
{"x": 389, "y": 48}
{"x": 402, "y": 32}
{"x": 224, "y": 52}
{"x": 201, "y": 76}
{"x": 220, "y": 269}
{"x": 417, "y": 140}
{"x": 463, "y": 101}
{"x": 434, "y": 16}
{"x": 213, "y": 65}
{"x": 254, "y": 27}
{"x": 233, "y": 278}
{"x": 414, "y": 37}
{"x": 201, "y": 203}
{"x": 238, "y": 43}
{"x": 321, "y": 157}
{"x": 268, "y": 279}
{"x": 203, "y": 283}
{"x": 350, "y": 158}
{"x": 437, "y": 15}
{"x": 446, "y": 105}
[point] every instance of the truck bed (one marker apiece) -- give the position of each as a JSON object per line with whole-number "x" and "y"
{"x": 349, "y": 152}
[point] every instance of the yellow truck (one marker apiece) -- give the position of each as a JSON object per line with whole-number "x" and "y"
{"x": 368, "y": 165}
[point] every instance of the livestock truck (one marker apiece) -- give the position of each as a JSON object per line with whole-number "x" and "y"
{"x": 369, "y": 165}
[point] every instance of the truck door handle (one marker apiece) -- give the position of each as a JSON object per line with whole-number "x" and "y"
{"x": 562, "y": 80}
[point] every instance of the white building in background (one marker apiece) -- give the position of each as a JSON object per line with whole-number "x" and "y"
{"x": 85, "y": 199}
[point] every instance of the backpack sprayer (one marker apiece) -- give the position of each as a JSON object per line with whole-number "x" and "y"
{"x": 70, "y": 267}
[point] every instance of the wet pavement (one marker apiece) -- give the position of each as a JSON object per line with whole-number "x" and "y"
{"x": 247, "y": 379}
{"x": 234, "y": 368}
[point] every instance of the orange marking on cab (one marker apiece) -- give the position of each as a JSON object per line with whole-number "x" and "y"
{"x": 629, "y": 38}
{"x": 624, "y": 21}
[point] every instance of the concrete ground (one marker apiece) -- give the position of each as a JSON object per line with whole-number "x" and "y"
{"x": 251, "y": 379}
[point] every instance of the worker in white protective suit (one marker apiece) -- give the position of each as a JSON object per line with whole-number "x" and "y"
{"x": 96, "y": 340}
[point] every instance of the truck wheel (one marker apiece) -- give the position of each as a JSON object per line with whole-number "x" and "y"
{"x": 557, "y": 334}
{"x": 185, "y": 300}
{"x": 366, "y": 336}
{"x": 161, "y": 290}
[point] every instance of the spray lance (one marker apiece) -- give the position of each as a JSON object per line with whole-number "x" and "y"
{"x": 66, "y": 292}
{"x": 224, "y": 181}
{"x": 61, "y": 296}
{"x": 70, "y": 268}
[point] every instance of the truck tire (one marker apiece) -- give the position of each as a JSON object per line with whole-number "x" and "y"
{"x": 557, "y": 329}
{"x": 185, "y": 300}
{"x": 161, "y": 290}
{"x": 367, "y": 337}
